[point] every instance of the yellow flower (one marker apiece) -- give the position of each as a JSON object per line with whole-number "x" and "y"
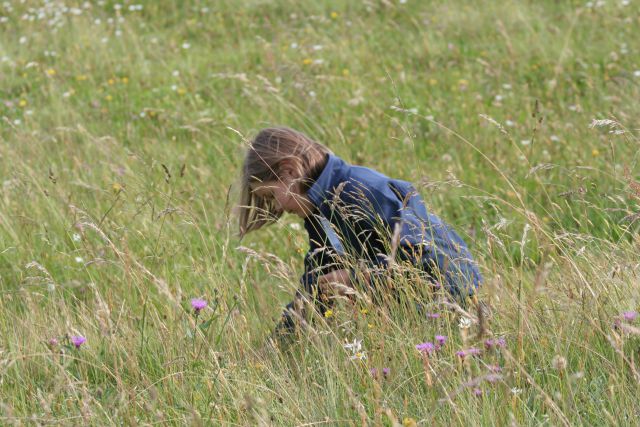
{"x": 181, "y": 91}
{"x": 108, "y": 97}
{"x": 307, "y": 61}
{"x": 409, "y": 422}
{"x": 124, "y": 80}
{"x": 328, "y": 313}
{"x": 81, "y": 78}
{"x": 22, "y": 103}
{"x": 364, "y": 311}
{"x": 116, "y": 187}
{"x": 463, "y": 82}
{"x": 51, "y": 72}
{"x": 345, "y": 72}
{"x": 595, "y": 152}
{"x": 433, "y": 82}
{"x": 111, "y": 82}
{"x": 370, "y": 325}
{"x": 334, "y": 15}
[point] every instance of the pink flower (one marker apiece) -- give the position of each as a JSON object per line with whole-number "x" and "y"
{"x": 374, "y": 372}
{"x": 78, "y": 340}
{"x": 477, "y": 391}
{"x": 495, "y": 343}
{"x": 426, "y": 347}
{"x": 198, "y": 304}
{"x": 468, "y": 352}
{"x": 433, "y": 315}
{"x": 630, "y": 316}
{"x": 440, "y": 341}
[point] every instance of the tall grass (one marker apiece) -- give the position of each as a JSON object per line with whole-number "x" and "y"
{"x": 122, "y": 133}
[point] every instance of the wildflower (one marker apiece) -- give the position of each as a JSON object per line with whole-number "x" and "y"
{"x": 409, "y": 422}
{"x": 636, "y": 73}
{"x": 186, "y": 45}
{"x": 559, "y": 363}
{"x": 52, "y": 343}
{"x": 495, "y": 343}
{"x": 441, "y": 340}
{"x": 108, "y": 98}
{"x": 76, "y": 237}
{"x": 294, "y": 226}
{"x": 79, "y": 259}
{"x": 509, "y": 123}
{"x": 464, "y": 323}
{"x": 525, "y": 142}
{"x": 81, "y": 77}
{"x": 554, "y": 138}
{"x": 516, "y": 391}
{"x": 354, "y": 346}
{"x": 294, "y": 45}
{"x": 433, "y": 315}
{"x": 477, "y": 391}
{"x": 328, "y": 313}
{"x": 468, "y": 352}
{"x": 495, "y": 368}
{"x": 386, "y": 371}
{"x": 360, "y": 355}
{"x": 425, "y": 347}
{"x": 51, "y": 72}
{"x": 364, "y": 311}
{"x": 307, "y": 61}
{"x": 630, "y": 316}
{"x": 78, "y": 340}
{"x": 595, "y": 152}
{"x": 198, "y": 304}
{"x": 111, "y": 82}
{"x": 433, "y": 82}
{"x": 446, "y": 157}
{"x": 124, "y": 80}
{"x": 22, "y": 103}
{"x": 334, "y": 15}
{"x": 374, "y": 372}
{"x": 493, "y": 378}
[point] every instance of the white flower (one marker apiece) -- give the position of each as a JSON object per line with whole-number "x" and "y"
{"x": 312, "y": 94}
{"x": 17, "y": 122}
{"x": 317, "y": 47}
{"x": 636, "y": 73}
{"x": 499, "y": 98}
{"x": 97, "y": 21}
{"x": 360, "y": 355}
{"x": 446, "y": 157}
{"x": 506, "y": 86}
{"x": 516, "y": 391}
{"x": 76, "y": 237}
{"x": 555, "y": 138}
{"x": 318, "y": 61}
{"x": 464, "y": 323}
{"x": 413, "y": 110}
{"x": 509, "y": 123}
{"x": 525, "y": 142}
{"x": 23, "y": 40}
{"x": 79, "y": 260}
{"x": 186, "y": 45}
{"x": 28, "y": 112}
{"x": 294, "y": 226}
{"x": 625, "y": 2}
{"x": 175, "y": 73}
{"x": 174, "y": 87}
{"x": 294, "y": 45}
{"x": 354, "y": 346}
{"x": 118, "y": 33}
{"x": 104, "y": 39}
{"x": 117, "y": 6}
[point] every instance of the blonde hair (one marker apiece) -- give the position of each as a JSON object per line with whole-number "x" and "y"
{"x": 262, "y": 163}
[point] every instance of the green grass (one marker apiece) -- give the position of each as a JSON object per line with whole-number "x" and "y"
{"x": 119, "y": 145}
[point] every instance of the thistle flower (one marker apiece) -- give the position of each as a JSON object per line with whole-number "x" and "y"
{"x": 630, "y": 316}
{"x": 78, "y": 340}
{"x": 198, "y": 304}
{"x": 374, "y": 372}
{"x": 426, "y": 347}
{"x": 440, "y": 340}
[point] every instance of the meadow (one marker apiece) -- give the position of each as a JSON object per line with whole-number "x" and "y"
{"x": 123, "y": 128}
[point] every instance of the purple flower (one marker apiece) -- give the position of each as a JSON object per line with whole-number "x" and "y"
{"x": 630, "y": 316}
{"x": 78, "y": 340}
{"x": 374, "y": 372}
{"x": 493, "y": 378}
{"x": 477, "y": 391}
{"x": 53, "y": 342}
{"x": 495, "y": 368}
{"x": 426, "y": 347}
{"x": 495, "y": 343}
{"x": 198, "y": 304}
{"x": 433, "y": 315}
{"x": 441, "y": 340}
{"x": 468, "y": 352}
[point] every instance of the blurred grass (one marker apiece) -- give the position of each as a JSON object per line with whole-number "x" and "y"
{"x": 126, "y": 127}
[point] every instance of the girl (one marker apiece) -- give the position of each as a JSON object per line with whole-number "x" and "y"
{"x": 354, "y": 215}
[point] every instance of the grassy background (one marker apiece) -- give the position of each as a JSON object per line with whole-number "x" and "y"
{"x": 123, "y": 131}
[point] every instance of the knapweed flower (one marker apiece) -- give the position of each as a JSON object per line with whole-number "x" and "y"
{"x": 433, "y": 315}
{"x": 468, "y": 352}
{"x": 440, "y": 340}
{"x": 52, "y": 343}
{"x": 198, "y": 304}
{"x": 426, "y": 347}
{"x": 477, "y": 391}
{"x": 78, "y": 340}
{"x": 495, "y": 343}
{"x": 630, "y": 316}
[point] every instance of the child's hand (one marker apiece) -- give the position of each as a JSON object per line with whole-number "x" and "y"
{"x": 337, "y": 282}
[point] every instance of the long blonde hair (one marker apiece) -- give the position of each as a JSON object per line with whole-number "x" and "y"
{"x": 262, "y": 163}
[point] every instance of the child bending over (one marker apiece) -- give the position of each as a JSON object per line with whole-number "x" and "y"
{"x": 359, "y": 221}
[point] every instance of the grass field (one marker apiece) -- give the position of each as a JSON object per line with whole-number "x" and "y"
{"x": 123, "y": 128}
